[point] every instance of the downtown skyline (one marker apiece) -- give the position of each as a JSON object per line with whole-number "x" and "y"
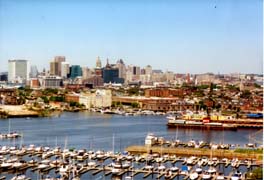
{"x": 183, "y": 37}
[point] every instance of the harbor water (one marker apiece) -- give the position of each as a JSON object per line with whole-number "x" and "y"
{"x": 95, "y": 131}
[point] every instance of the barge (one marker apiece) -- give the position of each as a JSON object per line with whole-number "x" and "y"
{"x": 200, "y": 125}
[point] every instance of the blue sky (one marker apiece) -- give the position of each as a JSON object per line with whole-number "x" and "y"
{"x": 177, "y": 35}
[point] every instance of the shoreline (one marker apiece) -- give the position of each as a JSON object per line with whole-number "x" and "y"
{"x": 21, "y": 111}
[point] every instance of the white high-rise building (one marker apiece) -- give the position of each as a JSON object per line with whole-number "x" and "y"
{"x": 148, "y": 70}
{"x": 33, "y": 71}
{"x": 121, "y": 68}
{"x": 86, "y": 73}
{"x": 18, "y": 71}
{"x": 65, "y": 69}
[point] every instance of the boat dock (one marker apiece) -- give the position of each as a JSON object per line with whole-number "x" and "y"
{"x": 220, "y": 153}
{"x": 39, "y": 160}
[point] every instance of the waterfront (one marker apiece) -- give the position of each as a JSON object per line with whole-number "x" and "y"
{"x": 96, "y": 131}
{"x": 100, "y": 131}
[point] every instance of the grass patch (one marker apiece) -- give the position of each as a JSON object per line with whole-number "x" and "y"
{"x": 257, "y": 151}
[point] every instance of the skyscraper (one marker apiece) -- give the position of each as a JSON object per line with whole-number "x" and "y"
{"x": 121, "y": 68}
{"x": 55, "y": 65}
{"x": 111, "y": 74}
{"x": 65, "y": 69}
{"x": 75, "y": 71}
{"x": 18, "y": 71}
{"x": 33, "y": 71}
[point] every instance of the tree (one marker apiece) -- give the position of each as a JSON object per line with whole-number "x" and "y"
{"x": 245, "y": 94}
{"x": 45, "y": 99}
{"x": 134, "y": 104}
{"x": 133, "y": 91}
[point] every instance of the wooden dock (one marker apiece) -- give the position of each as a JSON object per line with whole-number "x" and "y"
{"x": 220, "y": 153}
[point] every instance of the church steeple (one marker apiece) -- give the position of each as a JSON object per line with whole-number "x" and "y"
{"x": 107, "y": 63}
{"x": 98, "y": 63}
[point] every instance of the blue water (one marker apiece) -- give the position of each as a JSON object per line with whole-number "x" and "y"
{"x": 98, "y": 131}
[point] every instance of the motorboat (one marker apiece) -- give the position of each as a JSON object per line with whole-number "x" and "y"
{"x": 6, "y": 165}
{"x": 19, "y": 177}
{"x": 211, "y": 170}
{"x": 199, "y": 170}
{"x": 206, "y": 176}
{"x": 91, "y": 164}
{"x": 148, "y": 167}
{"x": 115, "y": 170}
{"x": 161, "y": 167}
{"x": 174, "y": 169}
{"x": 220, "y": 176}
{"x": 236, "y": 176}
{"x": 150, "y": 139}
{"x": 42, "y": 166}
{"x": 194, "y": 175}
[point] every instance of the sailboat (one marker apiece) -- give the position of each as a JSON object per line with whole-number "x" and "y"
{"x": 11, "y": 134}
{"x": 211, "y": 169}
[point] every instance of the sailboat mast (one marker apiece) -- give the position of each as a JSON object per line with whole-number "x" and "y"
{"x": 9, "y": 126}
{"x": 113, "y": 143}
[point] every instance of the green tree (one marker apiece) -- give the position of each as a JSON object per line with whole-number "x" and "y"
{"x": 45, "y": 99}
{"x": 245, "y": 94}
{"x": 134, "y": 104}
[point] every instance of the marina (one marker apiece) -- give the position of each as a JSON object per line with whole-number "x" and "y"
{"x": 67, "y": 164}
{"x": 84, "y": 139}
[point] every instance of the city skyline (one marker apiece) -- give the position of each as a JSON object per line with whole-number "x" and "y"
{"x": 187, "y": 36}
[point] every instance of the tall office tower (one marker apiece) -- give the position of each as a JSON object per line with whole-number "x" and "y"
{"x": 65, "y": 69}
{"x": 86, "y": 73}
{"x": 33, "y": 71}
{"x": 75, "y": 71}
{"x": 121, "y": 68}
{"x": 148, "y": 70}
{"x": 55, "y": 65}
{"x": 111, "y": 74}
{"x": 18, "y": 71}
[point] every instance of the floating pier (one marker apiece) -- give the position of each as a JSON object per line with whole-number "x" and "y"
{"x": 220, "y": 153}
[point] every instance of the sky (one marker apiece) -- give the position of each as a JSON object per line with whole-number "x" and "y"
{"x": 183, "y": 36}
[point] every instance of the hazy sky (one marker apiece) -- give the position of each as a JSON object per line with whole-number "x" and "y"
{"x": 179, "y": 35}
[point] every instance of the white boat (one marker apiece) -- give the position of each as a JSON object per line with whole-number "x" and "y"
{"x": 200, "y": 163}
{"x": 91, "y": 164}
{"x": 126, "y": 165}
{"x": 129, "y": 177}
{"x": 211, "y": 170}
{"x": 42, "y": 166}
{"x": 206, "y": 176}
{"x": 6, "y": 165}
{"x": 64, "y": 169}
{"x": 19, "y": 177}
{"x": 236, "y": 176}
{"x": 17, "y": 165}
{"x": 161, "y": 168}
{"x": 55, "y": 163}
{"x": 199, "y": 170}
{"x": 159, "y": 159}
{"x": 220, "y": 177}
{"x": 174, "y": 169}
{"x": 148, "y": 167}
{"x": 150, "y": 139}
{"x": 194, "y": 175}
{"x": 115, "y": 170}
{"x": 116, "y": 164}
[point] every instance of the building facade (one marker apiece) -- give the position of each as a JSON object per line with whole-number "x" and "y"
{"x": 75, "y": 71}
{"x": 55, "y": 65}
{"x": 50, "y": 82}
{"x": 18, "y": 71}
